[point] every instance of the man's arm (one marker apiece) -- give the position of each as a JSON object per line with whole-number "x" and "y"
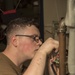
{"x": 37, "y": 65}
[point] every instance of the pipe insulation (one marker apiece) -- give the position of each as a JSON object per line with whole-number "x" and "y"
{"x": 70, "y": 14}
{"x": 71, "y": 53}
{"x": 70, "y": 22}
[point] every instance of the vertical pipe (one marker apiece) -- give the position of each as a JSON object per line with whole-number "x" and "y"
{"x": 71, "y": 53}
{"x": 62, "y": 48}
{"x": 70, "y": 22}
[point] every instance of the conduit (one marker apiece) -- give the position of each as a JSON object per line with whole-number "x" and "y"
{"x": 62, "y": 48}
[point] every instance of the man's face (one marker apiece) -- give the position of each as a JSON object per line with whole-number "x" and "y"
{"x": 29, "y": 42}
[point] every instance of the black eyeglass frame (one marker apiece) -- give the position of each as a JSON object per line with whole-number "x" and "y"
{"x": 32, "y": 36}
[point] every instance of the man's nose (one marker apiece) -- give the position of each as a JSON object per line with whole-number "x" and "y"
{"x": 40, "y": 42}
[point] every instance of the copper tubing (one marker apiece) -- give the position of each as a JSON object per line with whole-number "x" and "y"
{"x": 62, "y": 48}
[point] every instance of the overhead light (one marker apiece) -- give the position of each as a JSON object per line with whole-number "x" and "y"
{"x": 3, "y": 26}
{"x": 35, "y": 3}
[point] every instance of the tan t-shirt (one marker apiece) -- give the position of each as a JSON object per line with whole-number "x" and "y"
{"x": 7, "y": 67}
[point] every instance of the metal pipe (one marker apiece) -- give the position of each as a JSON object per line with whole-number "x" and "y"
{"x": 62, "y": 47}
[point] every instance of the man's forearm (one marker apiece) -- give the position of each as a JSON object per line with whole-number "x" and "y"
{"x": 37, "y": 65}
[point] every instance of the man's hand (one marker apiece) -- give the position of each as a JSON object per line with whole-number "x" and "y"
{"x": 53, "y": 64}
{"x": 49, "y": 45}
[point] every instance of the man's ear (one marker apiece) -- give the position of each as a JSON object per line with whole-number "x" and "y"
{"x": 14, "y": 41}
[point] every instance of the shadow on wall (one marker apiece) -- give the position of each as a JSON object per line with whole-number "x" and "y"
{"x": 3, "y": 41}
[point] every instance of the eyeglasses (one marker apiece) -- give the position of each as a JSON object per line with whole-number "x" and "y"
{"x": 34, "y": 37}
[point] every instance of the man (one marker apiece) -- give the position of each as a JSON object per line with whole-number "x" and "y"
{"x": 24, "y": 43}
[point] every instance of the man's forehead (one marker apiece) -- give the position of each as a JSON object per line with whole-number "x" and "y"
{"x": 31, "y": 30}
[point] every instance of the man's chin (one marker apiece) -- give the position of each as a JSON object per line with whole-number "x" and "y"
{"x": 33, "y": 54}
{"x": 36, "y": 50}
